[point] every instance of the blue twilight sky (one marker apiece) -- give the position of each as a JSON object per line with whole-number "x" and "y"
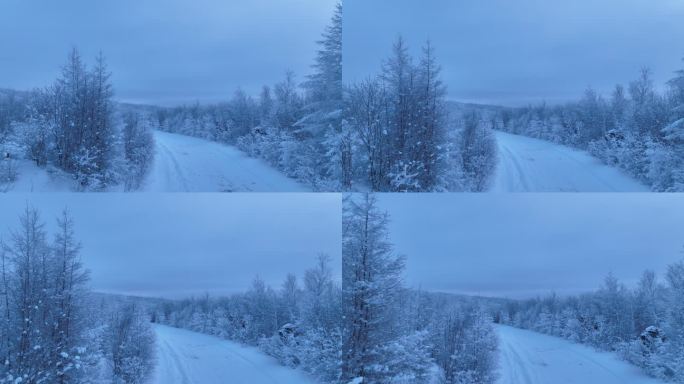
{"x": 174, "y": 245}
{"x": 163, "y": 51}
{"x": 515, "y": 52}
{"x": 521, "y": 245}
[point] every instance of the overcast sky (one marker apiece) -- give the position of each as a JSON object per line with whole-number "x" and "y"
{"x": 515, "y": 52}
{"x": 521, "y": 245}
{"x": 163, "y": 51}
{"x": 174, "y": 245}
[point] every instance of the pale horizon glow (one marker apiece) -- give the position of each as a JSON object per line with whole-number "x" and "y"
{"x": 178, "y": 245}
{"x": 524, "y": 245}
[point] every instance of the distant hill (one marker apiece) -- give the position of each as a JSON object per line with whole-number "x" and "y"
{"x": 117, "y": 300}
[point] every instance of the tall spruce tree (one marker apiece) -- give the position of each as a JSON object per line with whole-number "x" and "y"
{"x": 371, "y": 279}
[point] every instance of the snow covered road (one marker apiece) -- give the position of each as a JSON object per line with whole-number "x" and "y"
{"x": 185, "y": 357}
{"x": 532, "y": 358}
{"x": 188, "y": 164}
{"x": 532, "y": 165}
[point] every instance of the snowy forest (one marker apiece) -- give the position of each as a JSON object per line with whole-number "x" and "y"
{"x": 394, "y": 334}
{"x": 644, "y": 324}
{"x": 398, "y": 136}
{"x": 299, "y": 324}
{"x": 74, "y": 128}
{"x": 54, "y": 330}
{"x": 637, "y": 128}
{"x": 293, "y": 126}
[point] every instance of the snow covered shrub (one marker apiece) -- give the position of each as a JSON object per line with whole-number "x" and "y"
{"x": 130, "y": 345}
{"x": 404, "y": 177}
{"x": 36, "y": 137}
{"x": 138, "y": 149}
{"x": 649, "y": 352}
{"x": 283, "y": 346}
{"x": 467, "y": 349}
{"x": 662, "y": 166}
{"x": 476, "y": 154}
{"x": 298, "y": 160}
{"x": 315, "y": 351}
{"x": 86, "y": 171}
{"x": 608, "y": 147}
{"x": 8, "y": 168}
{"x": 320, "y": 354}
{"x": 404, "y": 360}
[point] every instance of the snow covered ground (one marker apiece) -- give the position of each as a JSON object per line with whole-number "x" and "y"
{"x": 188, "y": 164}
{"x": 528, "y": 357}
{"x": 31, "y": 178}
{"x": 181, "y": 164}
{"x": 185, "y": 357}
{"x": 532, "y": 165}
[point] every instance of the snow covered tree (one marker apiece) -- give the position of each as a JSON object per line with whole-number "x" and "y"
{"x": 290, "y": 297}
{"x": 69, "y": 316}
{"x": 618, "y": 107}
{"x": 674, "y": 131}
{"x": 262, "y": 310}
{"x": 71, "y": 124}
{"x": 288, "y": 103}
{"x": 593, "y": 120}
{"x": 321, "y": 120}
{"x": 321, "y": 311}
{"x": 320, "y": 308}
{"x": 647, "y": 114}
{"x": 265, "y": 107}
{"x": 324, "y": 85}
{"x": 29, "y": 253}
{"x": 616, "y": 312}
{"x": 243, "y": 114}
{"x": 398, "y": 74}
{"x": 100, "y": 132}
{"x": 43, "y": 290}
{"x": 399, "y": 120}
{"x": 648, "y": 308}
{"x": 428, "y": 147}
{"x": 371, "y": 283}
{"x": 366, "y": 112}
{"x": 675, "y": 320}
{"x": 396, "y": 335}
{"x": 11, "y": 111}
